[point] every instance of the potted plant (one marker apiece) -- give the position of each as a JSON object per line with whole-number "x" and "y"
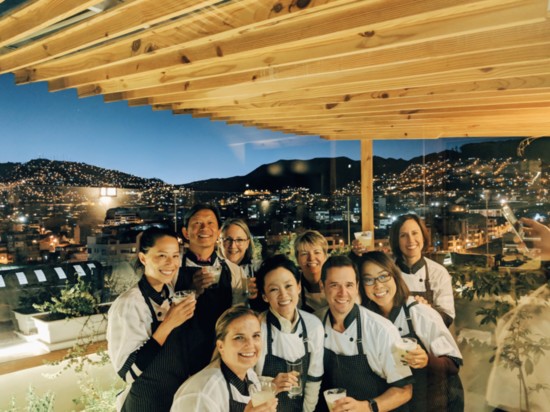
{"x": 25, "y": 309}
{"x": 76, "y": 314}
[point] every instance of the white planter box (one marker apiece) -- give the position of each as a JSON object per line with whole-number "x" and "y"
{"x": 25, "y": 322}
{"x": 64, "y": 333}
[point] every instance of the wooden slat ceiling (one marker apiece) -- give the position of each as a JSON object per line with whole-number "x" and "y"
{"x": 340, "y": 69}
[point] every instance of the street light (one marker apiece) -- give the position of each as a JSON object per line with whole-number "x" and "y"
{"x": 176, "y": 192}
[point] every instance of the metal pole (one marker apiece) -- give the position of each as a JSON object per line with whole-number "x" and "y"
{"x": 349, "y": 225}
{"x": 176, "y": 211}
{"x": 487, "y": 224}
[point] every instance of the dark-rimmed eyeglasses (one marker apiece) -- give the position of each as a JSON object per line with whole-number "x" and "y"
{"x": 368, "y": 281}
{"x": 229, "y": 240}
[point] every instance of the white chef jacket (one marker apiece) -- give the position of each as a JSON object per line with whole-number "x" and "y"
{"x": 290, "y": 346}
{"x": 430, "y": 329}
{"x": 379, "y": 336}
{"x": 440, "y": 283}
{"x": 129, "y": 328}
{"x": 207, "y": 391}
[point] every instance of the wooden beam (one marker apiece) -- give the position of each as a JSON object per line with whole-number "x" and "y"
{"x": 530, "y": 83}
{"x": 34, "y": 16}
{"x": 367, "y": 189}
{"x": 225, "y": 20}
{"x": 264, "y": 48}
{"x": 300, "y": 40}
{"x": 467, "y": 106}
{"x": 123, "y": 19}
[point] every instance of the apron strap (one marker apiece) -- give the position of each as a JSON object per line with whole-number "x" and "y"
{"x": 407, "y": 308}
{"x": 155, "y": 322}
{"x": 427, "y": 280}
{"x": 269, "y": 323}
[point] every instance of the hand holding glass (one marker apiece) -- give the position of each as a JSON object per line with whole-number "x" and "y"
{"x": 180, "y": 295}
{"x": 332, "y": 395}
{"x": 264, "y": 393}
{"x": 295, "y": 368}
{"x": 402, "y": 347}
{"x": 215, "y": 271}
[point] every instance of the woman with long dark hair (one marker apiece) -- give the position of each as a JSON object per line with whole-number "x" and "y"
{"x": 428, "y": 281}
{"x": 437, "y": 388}
{"x": 147, "y": 334}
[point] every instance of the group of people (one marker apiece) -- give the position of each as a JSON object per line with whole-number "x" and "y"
{"x": 340, "y": 318}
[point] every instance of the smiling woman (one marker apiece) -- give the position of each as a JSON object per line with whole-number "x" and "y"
{"x": 436, "y": 359}
{"x": 428, "y": 281}
{"x": 224, "y": 385}
{"x": 289, "y": 336}
{"x": 147, "y": 347}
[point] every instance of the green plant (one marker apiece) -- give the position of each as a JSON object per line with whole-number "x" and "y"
{"x": 257, "y": 250}
{"x": 74, "y": 300}
{"x": 35, "y": 403}
{"x": 95, "y": 399}
{"x": 34, "y": 296}
{"x": 287, "y": 246}
{"x": 521, "y": 348}
{"x": 504, "y": 288}
{"x": 341, "y": 250}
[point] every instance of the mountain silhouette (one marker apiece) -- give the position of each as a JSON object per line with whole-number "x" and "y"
{"x": 324, "y": 175}
{"x": 319, "y": 175}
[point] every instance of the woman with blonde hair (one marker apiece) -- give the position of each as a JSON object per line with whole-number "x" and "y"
{"x": 225, "y": 384}
{"x": 311, "y": 251}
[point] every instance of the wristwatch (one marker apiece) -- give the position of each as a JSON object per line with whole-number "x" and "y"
{"x": 373, "y": 405}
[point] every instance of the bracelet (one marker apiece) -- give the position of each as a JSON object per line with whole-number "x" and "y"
{"x": 373, "y": 405}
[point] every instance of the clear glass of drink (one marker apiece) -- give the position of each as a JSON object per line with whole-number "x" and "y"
{"x": 180, "y": 295}
{"x": 263, "y": 393}
{"x": 244, "y": 281}
{"x": 402, "y": 347}
{"x": 295, "y": 367}
{"x": 215, "y": 271}
{"x": 332, "y": 395}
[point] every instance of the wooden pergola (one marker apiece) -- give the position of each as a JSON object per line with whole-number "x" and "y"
{"x": 339, "y": 69}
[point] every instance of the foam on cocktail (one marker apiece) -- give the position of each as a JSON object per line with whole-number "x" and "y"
{"x": 332, "y": 395}
{"x": 261, "y": 397}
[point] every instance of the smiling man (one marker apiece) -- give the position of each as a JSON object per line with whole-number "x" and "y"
{"x": 358, "y": 346}
{"x": 217, "y": 281}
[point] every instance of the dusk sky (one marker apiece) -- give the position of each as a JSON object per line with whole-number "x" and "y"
{"x": 35, "y": 123}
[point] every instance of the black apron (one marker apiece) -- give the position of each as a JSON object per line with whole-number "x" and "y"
{"x": 419, "y": 401}
{"x": 274, "y": 365}
{"x": 154, "y": 389}
{"x": 234, "y": 405}
{"x": 351, "y": 372}
{"x": 428, "y": 294}
{"x": 210, "y": 305}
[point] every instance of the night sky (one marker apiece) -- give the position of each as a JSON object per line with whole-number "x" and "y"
{"x": 35, "y": 123}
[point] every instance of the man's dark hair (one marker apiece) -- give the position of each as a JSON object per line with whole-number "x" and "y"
{"x": 338, "y": 261}
{"x": 198, "y": 207}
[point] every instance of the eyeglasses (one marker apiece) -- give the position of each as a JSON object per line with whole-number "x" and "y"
{"x": 367, "y": 281}
{"x": 229, "y": 240}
